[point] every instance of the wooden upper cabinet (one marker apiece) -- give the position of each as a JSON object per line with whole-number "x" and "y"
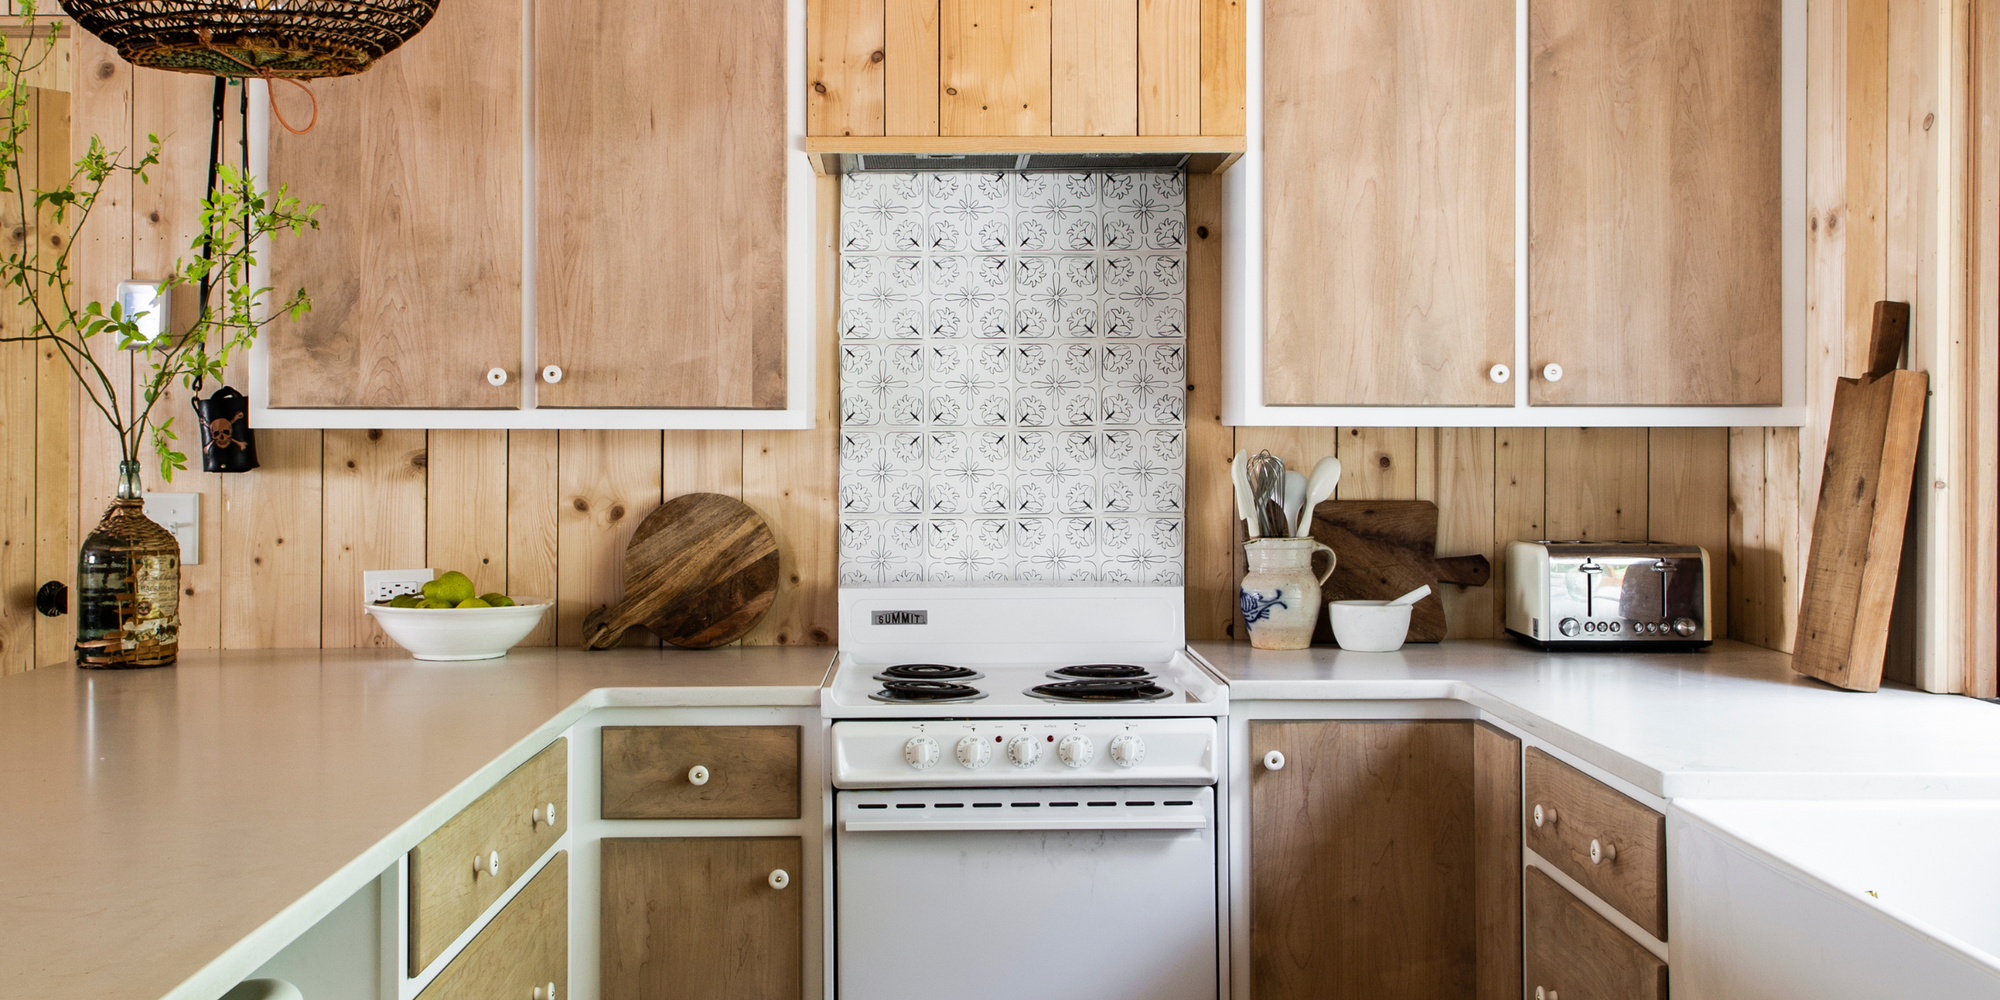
{"x": 1654, "y": 257}
{"x": 992, "y": 68}
{"x": 660, "y": 192}
{"x": 1388, "y": 202}
{"x": 415, "y": 271}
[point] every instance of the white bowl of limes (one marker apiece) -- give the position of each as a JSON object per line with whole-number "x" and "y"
{"x": 450, "y": 622}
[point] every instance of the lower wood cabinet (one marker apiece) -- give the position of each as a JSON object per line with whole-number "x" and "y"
{"x": 701, "y": 917}
{"x": 523, "y": 952}
{"x": 1385, "y": 861}
{"x": 1574, "y": 953}
{"x": 700, "y": 772}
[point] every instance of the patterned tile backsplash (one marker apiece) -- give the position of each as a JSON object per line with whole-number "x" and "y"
{"x": 1013, "y": 364}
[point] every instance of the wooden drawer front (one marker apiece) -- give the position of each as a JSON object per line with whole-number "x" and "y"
{"x": 753, "y": 772}
{"x": 1633, "y": 877}
{"x": 1574, "y": 953}
{"x": 525, "y": 948}
{"x": 446, "y": 894}
{"x": 696, "y": 918}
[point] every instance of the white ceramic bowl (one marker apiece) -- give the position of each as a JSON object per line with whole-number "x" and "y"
{"x": 1369, "y": 626}
{"x": 461, "y": 633}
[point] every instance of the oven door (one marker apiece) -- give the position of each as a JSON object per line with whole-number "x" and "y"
{"x": 1090, "y": 892}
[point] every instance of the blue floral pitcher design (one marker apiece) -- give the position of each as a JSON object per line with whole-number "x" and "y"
{"x": 1280, "y": 595}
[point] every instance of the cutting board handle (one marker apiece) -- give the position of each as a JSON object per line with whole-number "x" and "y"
{"x": 1886, "y": 340}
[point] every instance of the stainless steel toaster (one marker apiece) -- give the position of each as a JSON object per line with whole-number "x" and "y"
{"x": 1574, "y": 595}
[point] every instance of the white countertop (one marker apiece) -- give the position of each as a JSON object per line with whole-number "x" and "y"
{"x": 159, "y": 820}
{"x": 1732, "y": 721}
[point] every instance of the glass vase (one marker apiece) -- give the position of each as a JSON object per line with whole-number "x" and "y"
{"x": 128, "y": 585}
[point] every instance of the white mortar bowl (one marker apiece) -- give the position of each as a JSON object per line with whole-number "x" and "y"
{"x": 461, "y": 633}
{"x": 1369, "y": 626}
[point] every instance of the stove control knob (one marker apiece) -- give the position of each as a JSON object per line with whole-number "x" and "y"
{"x": 1686, "y": 627}
{"x": 974, "y": 752}
{"x": 1075, "y": 750}
{"x": 1127, "y": 750}
{"x": 1024, "y": 751}
{"x": 921, "y": 752}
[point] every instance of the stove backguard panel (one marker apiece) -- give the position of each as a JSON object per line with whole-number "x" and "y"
{"x": 1013, "y": 366}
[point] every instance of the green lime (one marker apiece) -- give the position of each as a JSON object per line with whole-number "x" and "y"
{"x": 473, "y": 602}
{"x": 455, "y": 588}
{"x": 405, "y": 601}
{"x": 497, "y": 599}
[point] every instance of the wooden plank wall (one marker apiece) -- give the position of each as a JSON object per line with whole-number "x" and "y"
{"x": 533, "y": 510}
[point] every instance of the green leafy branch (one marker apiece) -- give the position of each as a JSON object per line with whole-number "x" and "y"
{"x": 234, "y": 217}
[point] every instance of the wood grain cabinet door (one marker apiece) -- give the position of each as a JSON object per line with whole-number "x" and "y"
{"x": 415, "y": 270}
{"x": 747, "y": 772}
{"x": 1385, "y": 861}
{"x": 504, "y": 831}
{"x": 1628, "y": 868}
{"x": 1388, "y": 202}
{"x": 701, "y": 918}
{"x": 1655, "y": 241}
{"x": 660, "y": 203}
{"x": 524, "y": 949}
{"x": 1574, "y": 954}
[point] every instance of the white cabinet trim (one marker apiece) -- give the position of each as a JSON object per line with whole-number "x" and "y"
{"x": 1243, "y": 278}
{"x": 801, "y": 291}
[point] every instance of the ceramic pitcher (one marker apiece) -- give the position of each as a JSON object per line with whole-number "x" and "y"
{"x": 1280, "y": 594}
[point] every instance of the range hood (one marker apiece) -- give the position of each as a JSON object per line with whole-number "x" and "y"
{"x": 1023, "y": 154}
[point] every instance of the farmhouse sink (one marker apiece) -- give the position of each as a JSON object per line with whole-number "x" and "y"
{"x": 1825, "y": 900}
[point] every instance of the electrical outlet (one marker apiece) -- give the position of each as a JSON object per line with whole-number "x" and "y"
{"x": 378, "y": 585}
{"x": 180, "y": 514}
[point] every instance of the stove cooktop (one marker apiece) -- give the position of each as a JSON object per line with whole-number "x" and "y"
{"x": 1174, "y": 685}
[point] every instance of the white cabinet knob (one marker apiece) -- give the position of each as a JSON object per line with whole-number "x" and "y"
{"x": 779, "y": 878}
{"x": 1540, "y": 995}
{"x": 1545, "y": 813}
{"x": 697, "y": 775}
{"x": 1500, "y": 373}
{"x": 1600, "y": 853}
{"x": 552, "y": 374}
{"x": 496, "y": 376}
{"x": 1552, "y": 372}
{"x": 488, "y": 865}
{"x": 543, "y": 814}
{"x": 1274, "y": 761}
{"x": 545, "y": 992}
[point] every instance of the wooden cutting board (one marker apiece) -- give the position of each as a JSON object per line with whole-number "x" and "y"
{"x": 1386, "y": 549}
{"x": 699, "y": 571}
{"x": 1864, "y": 497}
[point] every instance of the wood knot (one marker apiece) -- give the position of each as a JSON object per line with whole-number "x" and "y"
{"x": 582, "y": 505}
{"x": 951, "y": 91}
{"x": 875, "y": 56}
{"x": 617, "y": 511}
{"x": 820, "y": 637}
{"x": 106, "y": 70}
{"x": 1382, "y": 460}
{"x": 153, "y": 216}
{"x": 818, "y": 87}
{"x": 420, "y": 460}
{"x": 374, "y": 434}
{"x": 1201, "y": 232}
{"x": 350, "y": 463}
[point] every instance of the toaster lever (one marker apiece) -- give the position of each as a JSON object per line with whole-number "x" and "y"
{"x": 1665, "y": 568}
{"x": 1590, "y": 569}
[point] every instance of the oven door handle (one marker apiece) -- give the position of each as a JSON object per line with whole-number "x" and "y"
{"x": 1028, "y": 823}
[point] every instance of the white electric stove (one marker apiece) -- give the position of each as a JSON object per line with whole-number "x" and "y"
{"x": 1034, "y": 761}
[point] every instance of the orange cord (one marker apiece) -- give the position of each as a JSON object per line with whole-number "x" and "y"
{"x": 268, "y": 77}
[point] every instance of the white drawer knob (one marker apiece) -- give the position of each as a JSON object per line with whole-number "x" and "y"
{"x": 1545, "y": 813}
{"x": 545, "y": 992}
{"x": 544, "y": 814}
{"x": 552, "y": 374}
{"x": 496, "y": 376}
{"x": 1552, "y": 371}
{"x": 1540, "y": 995}
{"x": 779, "y": 878}
{"x": 488, "y": 865}
{"x": 1500, "y": 373}
{"x": 1274, "y": 761}
{"x": 697, "y": 775}
{"x": 1600, "y": 853}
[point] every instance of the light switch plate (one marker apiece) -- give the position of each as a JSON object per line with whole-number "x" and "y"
{"x": 179, "y": 513}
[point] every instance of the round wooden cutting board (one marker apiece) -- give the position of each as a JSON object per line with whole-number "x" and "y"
{"x": 699, "y": 571}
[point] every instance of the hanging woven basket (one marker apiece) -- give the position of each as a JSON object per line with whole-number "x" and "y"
{"x": 294, "y": 39}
